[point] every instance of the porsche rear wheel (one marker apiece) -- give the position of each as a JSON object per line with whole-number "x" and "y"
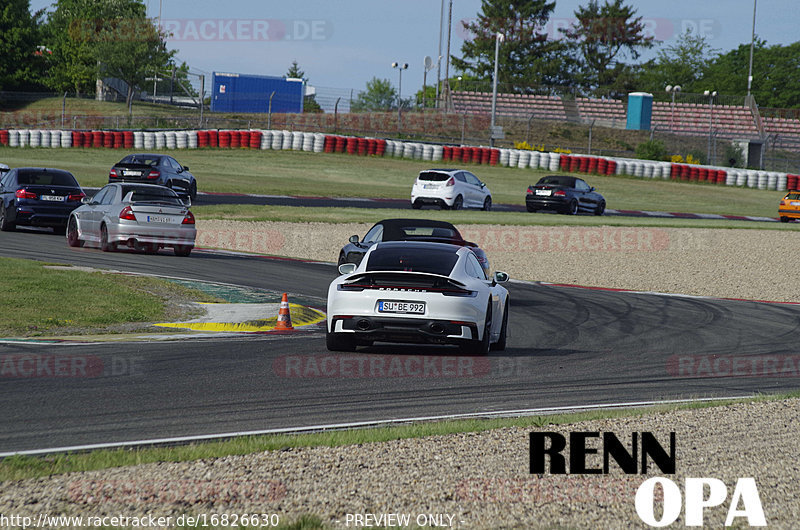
{"x": 481, "y": 346}
{"x": 336, "y": 342}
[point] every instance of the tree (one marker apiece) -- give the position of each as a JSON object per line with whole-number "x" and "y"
{"x": 380, "y": 95}
{"x": 527, "y": 57}
{"x": 295, "y": 71}
{"x": 774, "y": 74}
{"x": 91, "y": 38}
{"x": 20, "y": 64}
{"x": 684, "y": 64}
{"x": 309, "y": 102}
{"x": 600, "y": 37}
{"x": 129, "y": 46}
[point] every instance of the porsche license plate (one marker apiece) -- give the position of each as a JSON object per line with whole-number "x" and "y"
{"x": 396, "y": 306}
{"x": 543, "y": 192}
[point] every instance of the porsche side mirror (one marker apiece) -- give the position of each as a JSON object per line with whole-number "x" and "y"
{"x": 501, "y": 277}
{"x": 354, "y": 240}
{"x": 347, "y": 268}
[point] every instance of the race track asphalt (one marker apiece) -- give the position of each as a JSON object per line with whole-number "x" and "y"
{"x": 567, "y": 347}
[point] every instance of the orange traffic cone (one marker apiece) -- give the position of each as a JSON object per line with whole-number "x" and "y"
{"x": 284, "y": 317}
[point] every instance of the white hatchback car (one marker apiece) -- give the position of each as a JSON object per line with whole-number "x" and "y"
{"x": 450, "y": 188}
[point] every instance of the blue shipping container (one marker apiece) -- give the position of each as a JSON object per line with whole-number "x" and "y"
{"x": 251, "y": 93}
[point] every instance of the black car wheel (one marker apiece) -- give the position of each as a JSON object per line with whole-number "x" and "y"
{"x": 182, "y": 250}
{"x": 784, "y": 219}
{"x": 572, "y": 207}
{"x": 531, "y": 208}
{"x": 487, "y": 204}
{"x": 601, "y": 208}
{"x": 193, "y": 191}
{"x": 5, "y": 224}
{"x": 416, "y": 205}
{"x": 341, "y": 260}
{"x": 500, "y": 345}
{"x": 336, "y": 342}
{"x": 105, "y": 244}
{"x": 72, "y": 233}
{"x": 458, "y": 203}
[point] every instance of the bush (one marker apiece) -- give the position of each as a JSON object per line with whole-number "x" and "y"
{"x": 651, "y": 150}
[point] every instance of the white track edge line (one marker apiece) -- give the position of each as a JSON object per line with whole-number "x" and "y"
{"x": 338, "y": 426}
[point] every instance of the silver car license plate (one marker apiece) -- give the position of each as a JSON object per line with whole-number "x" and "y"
{"x": 132, "y": 173}
{"x": 54, "y": 198}
{"x": 543, "y": 192}
{"x": 398, "y": 306}
{"x": 158, "y": 219}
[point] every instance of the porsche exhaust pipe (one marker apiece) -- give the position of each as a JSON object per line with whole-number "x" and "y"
{"x": 437, "y": 328}
{"x": 363, "y": 324}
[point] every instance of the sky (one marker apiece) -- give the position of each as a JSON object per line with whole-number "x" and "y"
{"x": 342, "y": 44}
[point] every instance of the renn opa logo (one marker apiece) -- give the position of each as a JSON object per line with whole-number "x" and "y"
{"x": 644, "y": 447}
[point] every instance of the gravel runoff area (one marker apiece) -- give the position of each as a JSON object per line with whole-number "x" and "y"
{"x": 473, "y": 480}
{"x": 751, "y": 264}
{"x": 481, "y": 480}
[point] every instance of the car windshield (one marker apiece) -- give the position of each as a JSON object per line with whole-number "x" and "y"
{"x": 164, "y": 196}
{"x": 139, "y": 159}
{"x": 413, "y": 259}
{"x": 793, "y": 196}
{"x": 557, "y": 181}
{"x": 433, "y": 176}
{"x": 46, "y": 178}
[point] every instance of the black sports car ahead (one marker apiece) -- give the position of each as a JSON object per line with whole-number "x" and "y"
{"x": 408, "y": 230}
{"x": 155, "y": 169}
{"x": 568, "y": 195}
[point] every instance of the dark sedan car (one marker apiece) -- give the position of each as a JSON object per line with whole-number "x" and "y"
{"x": 408, "y": 230}
{"x": 37, "y": 196}
{"x": 568, "y": 195}
{"x": 162, "y": 170}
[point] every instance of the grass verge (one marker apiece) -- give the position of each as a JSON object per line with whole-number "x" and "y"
{"x": 340, "y": 175}
{"x": 36, "y": 301}
{"x": 20, "y": 467}
{"x": 299, "y": 214}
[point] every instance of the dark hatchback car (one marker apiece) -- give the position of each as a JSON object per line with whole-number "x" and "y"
{"x": 568, "y": 195}
{"x": 36, "y": 196}
{"x": 408, "y": 230}
{"x": 162, "y": 170}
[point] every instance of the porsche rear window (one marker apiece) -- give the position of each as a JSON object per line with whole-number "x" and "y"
{"x": 46, "y": 178}
{"x": 793, "y": 196}
{"x": 429, "y": 231}
{"x": 414, "y": 259}
{"x": 433, "y": 176}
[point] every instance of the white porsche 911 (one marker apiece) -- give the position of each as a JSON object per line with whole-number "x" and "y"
{"x": 418, "y": 292}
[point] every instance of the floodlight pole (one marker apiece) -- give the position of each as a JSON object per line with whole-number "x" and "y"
{"x": 497, "y": 38}
{"x": 752, "y": 45}
{"x": 400, "y": 67}
{"x": 711, "y": 94}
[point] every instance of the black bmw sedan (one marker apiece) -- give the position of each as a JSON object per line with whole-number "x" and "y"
{"x": 568, "y": 195}
{"x": 37, "y": 196}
